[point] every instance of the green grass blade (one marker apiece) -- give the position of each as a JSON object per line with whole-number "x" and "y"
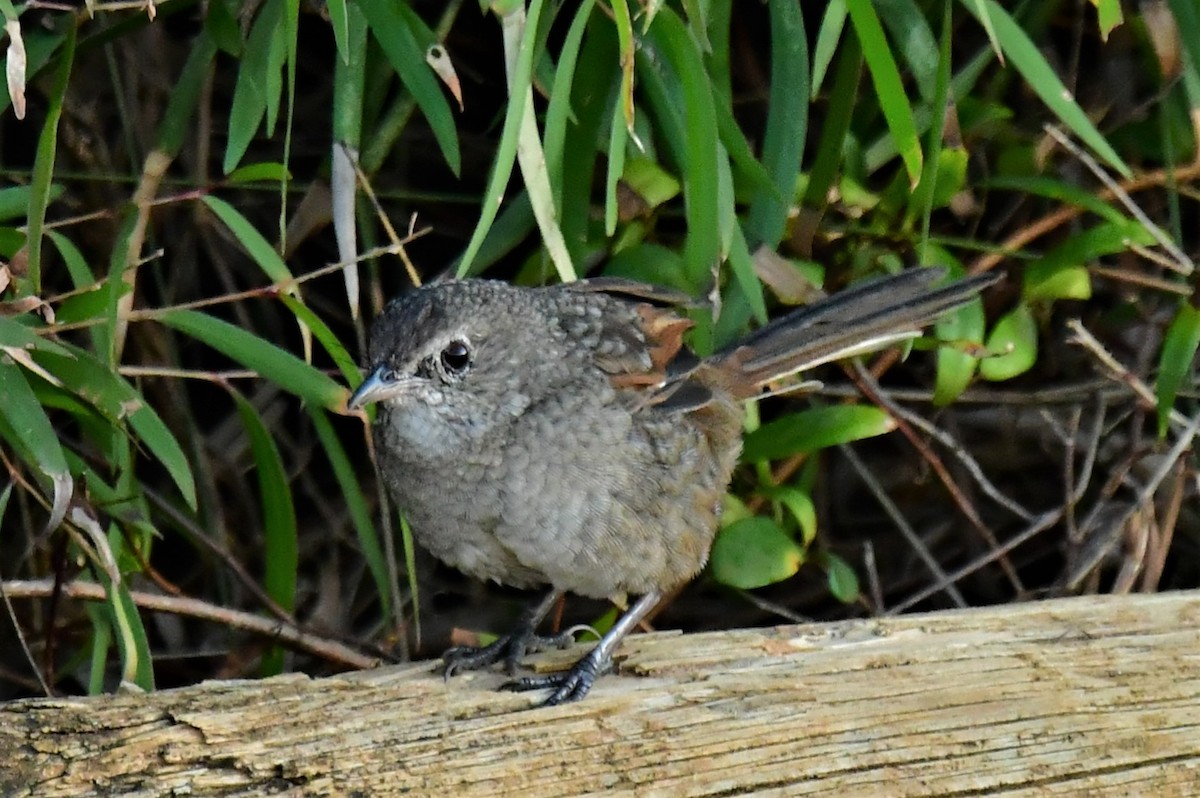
{"x": 1176, "y": 362}
{"x": 259, "y": 84}
{"x": 787, "y": 125}
{"x": 121, "y": 405}
{"x": 280, "y": 548}
{"x": 23, "y": 422}
{"x": 43, "y": 167}
{"x": 817, "y": 428}
{"x": 257, "y": 246}
{"x": 670, "y": 38}
{"x": 278, "y": 365}
{"x": 356, "y": 505}
{"x": 393, "y": 27}
{"x": 889, "y": 88}
{"x": 1028, "y": 60}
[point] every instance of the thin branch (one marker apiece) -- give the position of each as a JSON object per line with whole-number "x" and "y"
{"x": 944, "y": 582}
{"x": 287, "y": 634}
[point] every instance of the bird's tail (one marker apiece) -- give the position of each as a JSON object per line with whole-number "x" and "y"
{"x": 864, "y": 318}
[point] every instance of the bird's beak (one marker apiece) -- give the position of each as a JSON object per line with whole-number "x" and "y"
{"x": 379, "y": 384}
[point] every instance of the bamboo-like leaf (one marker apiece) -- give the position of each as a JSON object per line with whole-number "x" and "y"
{"x": 787, "y": 125}
{"x": 120, "y": 404}
{"x": 275, "y": 364}
{"x": 24, "y": 423}
{"x": 816, "y": 428}
{"x": 260, "y": 82}
{"x": 310, "y": 320}
{"x": 1041, "y": 77}
{"x": 393, "y": 27}
{"x": 356, "y": 506}
{"x": 339, "y": 20}
{"x": 669, "y": 37}
{"x": 842, "y": 96}
{"x": 506, "y": 153}
{"x": 256, "y": 246}
{"x": 280, "y": 548}
{"x": 833, "y": 22}
{"x": 889, "y": 88}
{"x": 43, "y": 167}
{"x": 1177, "y": 361}
{"x": 270, "y": 171}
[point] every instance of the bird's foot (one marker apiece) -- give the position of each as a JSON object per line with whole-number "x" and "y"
{"x": 507, "y": 649}
{"x": 569, "y": 685}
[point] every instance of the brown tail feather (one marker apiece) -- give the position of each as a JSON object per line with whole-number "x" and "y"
{"x": 864, "y": 318}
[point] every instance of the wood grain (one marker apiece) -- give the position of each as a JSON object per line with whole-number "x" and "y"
{"x": 1088, "y": 696}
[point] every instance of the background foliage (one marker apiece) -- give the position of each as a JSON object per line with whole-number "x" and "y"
{"x": 204, "y": 202}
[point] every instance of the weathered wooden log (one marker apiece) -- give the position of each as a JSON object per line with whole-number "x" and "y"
{"x": 1088, "y": 696}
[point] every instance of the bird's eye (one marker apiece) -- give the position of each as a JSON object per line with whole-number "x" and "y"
{"x": 456, "y": 358}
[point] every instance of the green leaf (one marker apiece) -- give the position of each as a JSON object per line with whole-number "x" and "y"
{"x": 339, "y": 20}
{"x": 668, "y": 37}
{"x": 1056, "y": 280}
{"x": 255, "y": 172}
{"x": 23, "y": 422}
{"x": 394, "y": 27}
{"x": 827, "y": 161}
{"x": 222, "y": 28}
{"x": 14, "y": 201}
{"x": 843, "y": 582}
{"x": 120, "y": 404}
{"x": 506, "y": 152}
{"x": 650, "y": 181}
{"x": 185, "y": 97}
{"x": 786, "y": 128}
{"x": 20, "y": 336}
{"x": 1012, "y": 346}
{"x": 43, "y": 166}
{"x": 1177, "y": 361}
{"x": 1028, "y": 60}
{"x": 833, "y": 22}
{"x": 909, "y": 29}
{"x": 1056, "y": 190}
{"x": 1187, "y": 18}
{"x": 253, "y": 241}
{"x": 754, "y": 552}
{"x": 889, "y": 88}
{"x": 801, "y": 507}
{"x": 815, "y": 428}
{"x": 275, "y": 364}
{"x": 1062, "y": 273}
{"x": 280, "y": 549}
{"x": 618, "y": 135}
{"x": 305, "y": 316}
{"x": 955, "y": 368}
{"x": 259, "y": 84}
{"x": 1109, "y": 14}
{"x": 356, "y": 505}
{"x": 558, "y": 110}
{"x": 132, "y": 642}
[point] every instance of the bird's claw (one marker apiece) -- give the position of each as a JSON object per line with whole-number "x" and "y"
{"x": 569, "y": 685}
{"x": 507, "y": 649}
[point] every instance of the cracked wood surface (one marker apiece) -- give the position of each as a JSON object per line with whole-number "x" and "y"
{"x": 1088, "y": 696}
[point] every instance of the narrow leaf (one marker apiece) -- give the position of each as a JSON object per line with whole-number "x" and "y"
{"x": 813, "y": 429}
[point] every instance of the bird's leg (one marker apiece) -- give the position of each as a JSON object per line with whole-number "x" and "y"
{"x": 573, "y": 684}
{"x": 509, "y": 648}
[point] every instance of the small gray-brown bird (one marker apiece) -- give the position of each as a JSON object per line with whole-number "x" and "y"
{"x": 565, "y": 437}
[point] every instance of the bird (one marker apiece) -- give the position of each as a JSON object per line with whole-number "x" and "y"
{"x": 565, "y": 438}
